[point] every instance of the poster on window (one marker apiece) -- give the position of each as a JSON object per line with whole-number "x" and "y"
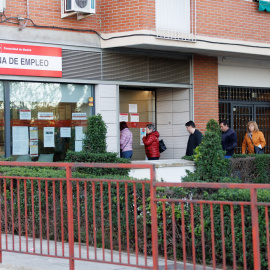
{"x": 134, "y": 117}
{"x": 78, "y": 146}
{"x": 48, "y": 137}
{"x": 20, "y": 141}
{"x": 142, "y": 134}
{"x": 33, "y": 133}
{"x": 123, "y": 117}
{"x": 33, "y": 148}
{"x": 133, "y": 108}
{"x": 25, "y": 115}
{"x": 78, "y": 133}
{"x": 65, "y": 132}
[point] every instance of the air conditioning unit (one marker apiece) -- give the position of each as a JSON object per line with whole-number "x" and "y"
{"x": 2, "y": 5}
{"x": 82, "y": 6}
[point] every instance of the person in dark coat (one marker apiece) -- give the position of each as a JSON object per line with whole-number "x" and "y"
{"x": 194, "y": 139}
{"x": 151, "y": 143}
{"x": 229, "y": 139}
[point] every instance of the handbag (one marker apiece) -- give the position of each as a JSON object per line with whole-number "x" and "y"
{"x": 257, "y": 150}
{"x": 162, "y": 146}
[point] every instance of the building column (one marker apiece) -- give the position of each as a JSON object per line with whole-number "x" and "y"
{"x": 107, "y": 104}
{"x": 205, "y": 75}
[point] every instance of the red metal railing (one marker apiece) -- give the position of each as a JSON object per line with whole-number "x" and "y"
{"x": 136, "y": 223}
{"x": 235, "y": 224}
{"x": 76, "y": 218}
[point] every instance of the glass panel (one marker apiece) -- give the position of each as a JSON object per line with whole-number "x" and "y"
{"x": 44, "y": 105}
{"x": 2, "y": 127}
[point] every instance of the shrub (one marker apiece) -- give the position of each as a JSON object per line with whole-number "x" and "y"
{"x": 251, "y": 168}
{"x": 95, "y": 135}
{"x": 88, "y": 157}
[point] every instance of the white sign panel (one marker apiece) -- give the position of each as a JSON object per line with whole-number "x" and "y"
{"x": 29, "y": 60}
{"x": 25, "y": 115}
{"x": 45, "y": 115}
{"x": 78, "y": 116}
{"x": 20, "y": 141}
{"x": 48, "y": 137}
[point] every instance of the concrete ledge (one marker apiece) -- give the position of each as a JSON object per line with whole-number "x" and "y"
{"x": 171, "y": 170}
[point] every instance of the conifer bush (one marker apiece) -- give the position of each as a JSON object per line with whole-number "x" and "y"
{"x": 95, "y": 135}
{"x": 211, "y": 166}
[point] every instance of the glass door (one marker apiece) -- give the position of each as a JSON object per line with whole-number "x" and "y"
{"x": 138, "y": 106}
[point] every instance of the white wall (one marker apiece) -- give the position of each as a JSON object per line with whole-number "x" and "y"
{"x": 243, "y": 72}
{"x": 172, "y": 114}
{"x": 106, "y": 102}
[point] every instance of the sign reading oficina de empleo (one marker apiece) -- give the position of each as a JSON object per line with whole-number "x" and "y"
{"x": 29, "y": 60}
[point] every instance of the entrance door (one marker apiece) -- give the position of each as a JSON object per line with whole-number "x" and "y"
{"x": 242, "y": 114}
{"x": 141, "y": 104}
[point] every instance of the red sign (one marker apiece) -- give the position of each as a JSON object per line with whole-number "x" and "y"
{"x": 30, "y": 60}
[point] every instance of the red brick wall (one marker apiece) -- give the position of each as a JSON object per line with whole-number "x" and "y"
{"x": 205, "y": 90}
{"x": 233, "y": 19}
{"x": 111, "y": 16}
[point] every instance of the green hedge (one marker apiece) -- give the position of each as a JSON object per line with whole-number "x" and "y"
{"x": 88, "y": 157}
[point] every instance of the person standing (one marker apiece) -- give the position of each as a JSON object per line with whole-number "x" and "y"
{"x": 194, "y": 139}
{"x": 253, "y": 137}
{"x": 229, "y": 139}
{"x": 126, "y": 138}
{"x": 151, "y": 143}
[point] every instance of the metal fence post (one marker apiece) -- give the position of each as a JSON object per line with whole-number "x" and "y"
{"x": 70, "y": 217}
{"x": 255, "y": 229}
{"x": 154, "y": 218}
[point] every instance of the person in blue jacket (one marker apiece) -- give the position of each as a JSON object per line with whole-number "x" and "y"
{"x": 229, "y": 139}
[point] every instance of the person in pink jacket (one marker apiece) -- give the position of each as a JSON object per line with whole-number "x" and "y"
{"x": 126, "y": 138}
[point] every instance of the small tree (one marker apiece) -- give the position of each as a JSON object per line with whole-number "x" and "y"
{"x": 209, "y": 159}
{"x": 95, "y": 135}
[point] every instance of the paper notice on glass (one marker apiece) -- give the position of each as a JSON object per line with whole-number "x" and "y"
{"x": 78, "y": 146}
{"x": 33, "y": 133}
{"x": 142, "y": 134}
{"x": 134, "y": 117}
{"x": 20, "y": 141}
{"x": 65, "y": 132}
{"x": 78, "y": 116}
{"x": 45, "y": 115}
{"x": 78, "y": 133}
{"x": 123, "y": 117}
{"x": 33, "y": 148}
{"x": 132, "y": 108}
{"x": 48, "y": 137}
{"x": 25, "y": 115}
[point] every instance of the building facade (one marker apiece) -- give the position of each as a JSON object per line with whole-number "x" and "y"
{"x": 149, "y": 61}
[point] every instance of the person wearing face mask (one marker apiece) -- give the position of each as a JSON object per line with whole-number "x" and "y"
{"x": 253, "y": 137}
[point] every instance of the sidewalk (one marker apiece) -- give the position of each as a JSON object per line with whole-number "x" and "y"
{"x": 16, "y": 261}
